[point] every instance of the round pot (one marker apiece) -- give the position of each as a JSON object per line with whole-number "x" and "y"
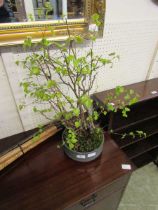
{"x": 83, "y": 156}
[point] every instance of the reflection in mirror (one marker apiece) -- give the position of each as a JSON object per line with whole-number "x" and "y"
{"x": 34, "y": 10}
{"x": 35, "y": 18}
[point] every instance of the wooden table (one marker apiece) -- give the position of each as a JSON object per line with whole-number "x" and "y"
{"x": 46, "y": 179}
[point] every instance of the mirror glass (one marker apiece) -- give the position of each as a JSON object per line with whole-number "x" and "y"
{"x": 40, "y": 10}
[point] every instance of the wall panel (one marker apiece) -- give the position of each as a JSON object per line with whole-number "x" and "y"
{"x": 10, "y": 122}
{"x": 131, "y": 34}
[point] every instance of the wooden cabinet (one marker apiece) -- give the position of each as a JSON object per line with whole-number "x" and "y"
{"x": 143, "y": 116}
{"x": 46, "y": 179}
{"x": 104, "y": 199}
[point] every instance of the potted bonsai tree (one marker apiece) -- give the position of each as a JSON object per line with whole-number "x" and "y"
{"x": 61, "y": 77}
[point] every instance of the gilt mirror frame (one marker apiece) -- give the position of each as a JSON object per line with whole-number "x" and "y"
{"x": 15, "y": 33}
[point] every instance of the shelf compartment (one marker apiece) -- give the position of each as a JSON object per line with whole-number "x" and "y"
{"x": 141, "y": 147}
{"x": 139, "y": 112}
{"x": 136, "y": 122}
{"x": 150, "y": 127}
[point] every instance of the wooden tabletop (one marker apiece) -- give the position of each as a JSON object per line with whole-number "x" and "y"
{"x": 46, "y": 178}
{"x": 146, "y": 90}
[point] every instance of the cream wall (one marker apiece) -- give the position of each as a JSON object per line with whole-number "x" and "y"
{"x": 9, "y": 118}
{"x": 131, "y": 30}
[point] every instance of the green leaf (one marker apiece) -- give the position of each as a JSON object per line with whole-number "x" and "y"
{"x": 95, "y": 115}
{"x": 17, "y": 63}
{"x": 124, "y": 111}
{"x": 77, "y": 124}
{"x": 36, "y": 137}
{"x": 95, "y": 16}
{"x": 86, "y": 71}
{"x": 70, "y": 100}
{"x": 133, "y": 101}
{"x": 93, "y": 37}
{"x": 132, "y": 134}
{"x": 124, "y": 114}
{"x": 71, "y": 146}
{"x": 40, "y": 12}
{"x": 96, "y": 19}
{"x": 79, "y": 39}
{"x": 89, "y": 118}
{"x": 58, "y": 95}
{"x": 127, "y": 109}
{"x": 35, "y": 109}
{"x": 68, "y": 115}
{"x": 110, "y": 107}
{"x": 28, "y": 42}
{"x": 105, "y": 61}
{"x": 119, "y": 90}
{"x": 112, "y": 54}
{"x": 35, "y": 70}
{"x": 73, "y": 141}
{"x": 64, "y": 72}
{"x": 141, "y": 134}
{"x": 45, "y": 42}
{"x": 70, "y": 58}
{"x": 58, "y": 45}
{"x": 21, "y": 106}
{"x": 79, "y": 79}
{"x": 76, "y": 112}
{"x": 105, "y": 113}
{"x": 51, "y": 83}
{"x": 30, "y": 17}
{"x": 76, "y": 62}
{"x": 123, "y": 136}
{"x": 86, "y": 101}
{"x": 25, "y": 87}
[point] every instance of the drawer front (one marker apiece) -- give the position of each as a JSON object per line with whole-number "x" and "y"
{"x": 113, "y": 187}
{"x": 108, "y": 191}
{"x": 108, "y": 203}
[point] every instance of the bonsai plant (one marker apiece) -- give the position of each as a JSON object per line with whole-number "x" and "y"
{"x": 62, "y": 82}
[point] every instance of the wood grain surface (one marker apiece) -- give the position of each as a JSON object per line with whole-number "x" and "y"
{"x": 46, "y": 179}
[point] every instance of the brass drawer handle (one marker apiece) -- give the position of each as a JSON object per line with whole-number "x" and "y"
{"x": 89, "y": 201}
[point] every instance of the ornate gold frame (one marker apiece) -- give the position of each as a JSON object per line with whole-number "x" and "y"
{"x": 15, "y": 33}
